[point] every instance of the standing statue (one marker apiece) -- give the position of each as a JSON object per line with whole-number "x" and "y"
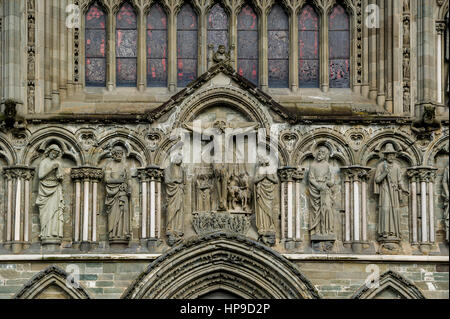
{"x": 221, "y": 178}
{"x": 321, "y": 182}
{"x": 445, "y": 194}
{"x": 175, "y": 193}
{"x": 117, "y": 197}
{"x": 50, "y": 197}
{"x": 203, "y": 192}
{"x": 264, "y": 197}
{"x": 389, "y": 185}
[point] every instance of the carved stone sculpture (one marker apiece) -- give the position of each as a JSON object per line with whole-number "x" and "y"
{"x": 445, "y": 195}
{"x": 204, "y": 185}
{"x": 175, "y": 180}
{"x": 117, "y": 198}
{"x": 389, "y": 186}
{"x": 264, "y": 196}
{"x": 321, "y": 182}
{"x": 50, "y": 197}
{"x": 221, "y": 183}
{"x": 221, "y": 55}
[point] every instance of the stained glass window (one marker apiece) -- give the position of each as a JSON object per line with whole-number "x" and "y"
{"x": 278, "y": 33}
{"x": 186, "y": 45}
{"x": 339, "y": 42}
{"x": 217, "y": 27}
{"x": 95, "y": 25}
{"x": 308, "y": 48}
{"x": 248, "y": 44}
{"x": 156, "y": 47}
{"x": 126, "y": 46}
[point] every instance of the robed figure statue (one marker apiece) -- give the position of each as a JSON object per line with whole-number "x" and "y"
{"x": 117, "y": 197}
{"x": 389, "y": 186}
{"x": 446, "y": 196}
{"x": 265, "y": 187}
{"x": 50, "y": 197}
{"x": 174, "y": 181}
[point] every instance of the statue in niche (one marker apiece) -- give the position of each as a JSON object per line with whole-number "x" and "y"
{"x": 265, "y": 184}
{"x": 389, "y": 186}
{"x": 238, "y": 192}
{"x": 175, "y": 181}
{"x": 117, "y": 197}
{"x": 50, "y": 197}
{"x": 221, "y": 181}
{"x": 321, "y": 182}
{"x": 446, "y": 196}
{"x": 204, "y": 186}
{"x": 221, "y": 54}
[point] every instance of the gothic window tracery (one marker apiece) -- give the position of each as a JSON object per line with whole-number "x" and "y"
{"x": 217, "y": 26}
{"x": 278, "y": 54}
{"x": 247, "y": 48}
{"x": 308, "y": 48}
{"x": 339, "y": 47}
{"x": 126, "y": 46}
{"x": 187, "y": 39}
{"x": 156, "y": 47}
{"x": 95, "y": 46}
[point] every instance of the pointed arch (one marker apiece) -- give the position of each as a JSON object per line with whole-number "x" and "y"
{"x": 51, "y": 276}
{"x": 7, "y": 151}
{"x": 390, "y": 280}
{"x": 221, "y": 261}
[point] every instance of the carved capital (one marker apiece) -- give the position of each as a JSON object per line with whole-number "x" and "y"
{"x": 422, "y": 173}
{"x": 291, "y": 174}
{"x": 356, "y": 173}
{"x": 86, "y": 174}
{"x": 18, "y": 172}
{"x": 152, "y": 173}
{"x": 440, "y": 27}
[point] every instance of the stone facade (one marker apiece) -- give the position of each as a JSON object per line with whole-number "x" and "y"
{"x": 101, "y": 187}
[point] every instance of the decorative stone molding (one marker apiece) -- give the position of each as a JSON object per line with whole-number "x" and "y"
{"x": 86, "y": 181}
{"x": 18, "y": 219}
{"x": 355, "y": 183}
{"x": 210, "y": 222}
{"x": 249, "y": 264}
{"x": 406, "y": 59}
{"x": 422, "y": 204}
{"x": 290, "y": 179}
{"x": 31, "y": 74}
{"x": 150, "y": 180}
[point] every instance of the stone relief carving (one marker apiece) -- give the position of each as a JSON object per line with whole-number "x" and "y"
{"x": 321, "y": 182}
{"x": 203, "y": 186}
{"x": 175, "y": 182}
{"x": 50, "y": 199}
{"x": 117, "y": 197}
{"x": 390, "y": 188}
{"x": 264, "y": 197}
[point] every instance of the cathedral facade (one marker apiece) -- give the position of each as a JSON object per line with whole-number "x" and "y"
{"x": 237, "y": 149}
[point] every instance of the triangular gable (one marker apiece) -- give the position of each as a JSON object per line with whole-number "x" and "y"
{"x": 228, "y": 71}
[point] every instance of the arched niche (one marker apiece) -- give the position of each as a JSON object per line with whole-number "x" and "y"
{"x": 235, "y": 264}
{"x": 7, "y": 158}
{"x": 391, "y": 286}
{"x": 52, "y": 283}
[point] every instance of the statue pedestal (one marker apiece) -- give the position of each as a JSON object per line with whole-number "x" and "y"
{"x": 51, "y": 244}
{"x": 323, "y": 243}
{"x": 389, "y": 245}
{"x": 16, "y": 247}
{"x": 118, "y": 243}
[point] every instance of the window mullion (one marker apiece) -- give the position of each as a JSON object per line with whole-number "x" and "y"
{"x": 324, "y": 49}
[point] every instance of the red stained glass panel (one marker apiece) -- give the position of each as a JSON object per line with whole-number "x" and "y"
{"x": 308, "y": 47}
{"x": 217, "y": 27}
{"x": 278, "y": 33}
{"x": 248, "y": 44}
{"x": 126, "y": 46}
{"x": 95, "y": 46}
{"x": 339, "y": 46}
{"x": 187, "y": 50}
{"x": 156, "y": 47}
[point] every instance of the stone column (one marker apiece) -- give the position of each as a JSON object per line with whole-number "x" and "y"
{"x": 86, "y": 181}
{"x": 355, "y": 182}
{"x": 150, "y": 180}
{"x": 290, "y": 178}
{"x": 422, "y": 214}
{"x": 18, "y": 206}
{"x": 440, "y": 29}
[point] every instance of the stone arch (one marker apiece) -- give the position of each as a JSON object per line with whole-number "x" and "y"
{"x": 51, "y": 277}
{"x": 221, "y": 261}
{"x": 333, "y": 140}
{"x": 442, "y": 144}
{"x": 403, "y": 144}
{"x": 229, "y": 96}
{"x": 54, "y": 135}
{"x": 7, "y": 151}
{"x": 443, "y": 10}
{"x": 134, "y": 146}
{"x": 393, "y": 281}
